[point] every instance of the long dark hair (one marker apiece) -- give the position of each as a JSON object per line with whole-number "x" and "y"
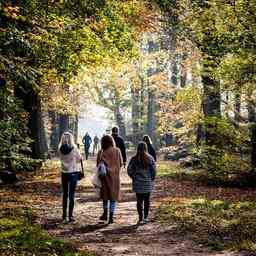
{"x": 107, "y": 141}
{"x": 142, "y": 154}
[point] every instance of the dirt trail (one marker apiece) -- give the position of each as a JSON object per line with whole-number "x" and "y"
{"x": 123, "y": 237}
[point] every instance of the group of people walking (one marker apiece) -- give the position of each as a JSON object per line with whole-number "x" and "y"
{"x": 87, "y": 141}
{"x": 141, "y": 169}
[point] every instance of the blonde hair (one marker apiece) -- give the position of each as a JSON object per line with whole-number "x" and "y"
{"x": 67, "y": 138}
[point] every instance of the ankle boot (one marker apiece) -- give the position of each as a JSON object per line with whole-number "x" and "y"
{"x": 111, "y": 218}
{"x": 104, "y": 216}
{"x": 64, "y": 215}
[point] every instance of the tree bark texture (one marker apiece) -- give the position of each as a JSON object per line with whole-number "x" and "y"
{"x": 174, "y": 71}
{"x": 151, "y": 124}
{"x": 237, "y": 107}
{"x": 135, "y": 115}
{"x": 54, "y": 136}
{"x": 211, "y": 103}
{"x": 32, "y": 104}
{"x": 63, "y": 124}
{"x": 252, "y": 120}
{"x": 120, "y": 121}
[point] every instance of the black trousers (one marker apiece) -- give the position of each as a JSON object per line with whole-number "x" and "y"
{"x": 143, "y": 204}
{"x": 86, "y": 152}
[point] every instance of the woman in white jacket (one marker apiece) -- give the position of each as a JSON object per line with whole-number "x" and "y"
{"x": 69, "y": 156}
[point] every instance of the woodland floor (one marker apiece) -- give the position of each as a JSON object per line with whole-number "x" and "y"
{"x": 42, "y": 193}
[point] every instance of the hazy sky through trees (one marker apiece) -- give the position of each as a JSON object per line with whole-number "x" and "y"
{"x": 95, "y": 120}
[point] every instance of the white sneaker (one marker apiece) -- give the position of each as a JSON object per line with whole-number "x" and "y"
{"x": 145, "y": 221}
{"x": 140, "y": 222}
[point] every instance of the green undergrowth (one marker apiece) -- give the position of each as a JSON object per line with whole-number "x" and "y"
{"x": 26, "y": 164}
{"x": 174, "y": 171}
{"x": 220, "y": 225}
{"x": 19, "y": 236}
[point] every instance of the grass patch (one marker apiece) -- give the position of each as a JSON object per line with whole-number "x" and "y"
{"x": 220, "y": 225}
{"x": 18, "y": 236}
{"x": 175, "y": 171}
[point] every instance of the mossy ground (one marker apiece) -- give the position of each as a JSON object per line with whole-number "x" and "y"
{"x": 19, "y": 236}
{"x": 222, "y": 218}
{"x": 19, "y": 232}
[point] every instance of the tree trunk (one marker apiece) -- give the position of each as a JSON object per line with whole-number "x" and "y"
{"x": 237, "y": 107}
{"x": 252, "y": 120}
{"x": 183, "y": 78}
{"x": 120, "y": 121}
{"x": 151, "y": 115}
{"x": 36, "y": 126}
{"x": 211, "y": 103}
{"x": 7, "y": 150}
{"x": 54, "y": 137}
{"x": 135, "y": 114}
{"x": 73, "y": 126}
{"x": 63, "y": 124}
{"x": 174, "y": 71}
{"x": 142, "y": 107}
{"x": 76, "y": 128}
{"x": 32, "y": 104}
{"x": 183, "y": 75}
{"x": 199, "y": 134}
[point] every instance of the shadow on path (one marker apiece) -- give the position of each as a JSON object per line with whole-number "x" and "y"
{"x": 124, "y": 237}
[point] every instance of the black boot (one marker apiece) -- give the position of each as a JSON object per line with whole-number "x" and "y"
{"x": 64, "y": 216}
{"x": 111, "y": 218}
{"x": 104, "y": 216}
{"x": 64, "y": 208}
{"x": 71, "y": 219}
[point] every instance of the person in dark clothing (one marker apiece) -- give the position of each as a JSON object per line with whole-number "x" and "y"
{"x": 119, "y": 141}
{"x": 151, "y": 149}
{"x": 142, "y": 171}
{"x": 87, "y": 143}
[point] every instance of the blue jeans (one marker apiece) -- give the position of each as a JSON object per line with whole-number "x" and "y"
{"x": 112, "y": 206}
{"x": 69, "y": 182}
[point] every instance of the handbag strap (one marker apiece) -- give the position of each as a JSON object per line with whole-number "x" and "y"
{"x": 100, "y": 158}
{"x": 82, "y": 166}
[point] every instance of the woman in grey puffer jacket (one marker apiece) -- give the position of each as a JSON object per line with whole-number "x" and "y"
{"x": 142, "y": 171}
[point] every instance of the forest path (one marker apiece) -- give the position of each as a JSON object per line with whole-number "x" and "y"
{"x": 41, "y": 191}
{"x": 123, "y": 237}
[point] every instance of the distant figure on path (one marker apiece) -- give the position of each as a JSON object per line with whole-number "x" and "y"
{"x": 87, "y": 143}
{"x": 119, "y": 141}
{"x": 142, "y": 171}
{"x": 96, "y": 141}
{"x": 111, "y": 156}
{"x": 151, "y": 149}
{"x": 168, "y": 137}
{"x": 69, "y": 156}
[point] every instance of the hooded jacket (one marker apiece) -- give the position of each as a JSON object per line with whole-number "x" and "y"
{"x": 69, "y": 156}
